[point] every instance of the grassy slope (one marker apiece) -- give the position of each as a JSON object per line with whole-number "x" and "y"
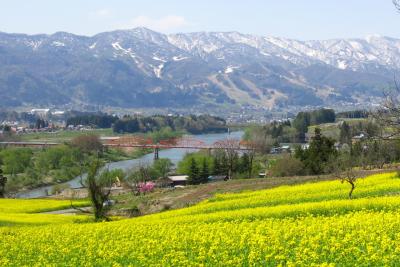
{"x": 300, "y": 225}
{"x": 162, "y": 200}
{"x": 19, "y": 212}
{"x": 332, "y": 129}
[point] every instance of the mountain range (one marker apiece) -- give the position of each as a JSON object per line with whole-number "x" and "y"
{"x": 140, "y": 68}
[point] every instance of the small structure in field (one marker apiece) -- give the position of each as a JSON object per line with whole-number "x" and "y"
{"x": 360, "y": 137}
{"x": 178, "y": 180}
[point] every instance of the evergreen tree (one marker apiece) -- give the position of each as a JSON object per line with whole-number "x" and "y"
{"x": 321, "y": 150}
{"x": 204, "y": 172}
{"x": 224, "y": 165}
{"x": 345, "y": 133}
{"x": 3, "y": 181}
{"x": 235, "y": 163}
{"x": 194, "y": 172}
{"x": 245, "y": 166}
{"x": 301, "y": 123}
{"x": 217, "y": 166}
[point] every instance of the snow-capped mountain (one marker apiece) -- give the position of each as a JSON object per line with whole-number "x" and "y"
{"x": 143, "y": 68}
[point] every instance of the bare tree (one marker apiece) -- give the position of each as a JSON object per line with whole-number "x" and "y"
{"x": 342, "y": 167}
{"x": 89, "y": 143}
{"x": 388, "y": 115}
{"x": 230, "y": 147}
{"x": 139, "y": 175}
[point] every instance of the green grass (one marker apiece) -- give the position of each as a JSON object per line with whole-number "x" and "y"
{"x": 62, "y": 136}
{"x": 37, "y": 205}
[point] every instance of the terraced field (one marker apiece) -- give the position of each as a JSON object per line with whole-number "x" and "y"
{"x": 301, "y": 225}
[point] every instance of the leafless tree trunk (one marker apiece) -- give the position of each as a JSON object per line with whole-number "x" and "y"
{"x": 342, "y": 167}
{"x": 138, "y": 175}
{"x": 388, "y": 115}
{"x": 99, "y": 186}
{"x": 98, "y": 192}
{"x": 230, "y": 147}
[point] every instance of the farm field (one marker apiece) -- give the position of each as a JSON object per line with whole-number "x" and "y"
{"x": 63, "y": 136}
{"x": 298, "y": 225}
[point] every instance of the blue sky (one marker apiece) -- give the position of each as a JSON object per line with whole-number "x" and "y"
{"x": 300, "y": 19}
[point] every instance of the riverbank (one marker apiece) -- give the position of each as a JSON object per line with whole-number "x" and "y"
{"x": 174, "y": 154}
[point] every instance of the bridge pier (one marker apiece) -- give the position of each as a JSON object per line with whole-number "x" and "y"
{"x": 156, "y": 150}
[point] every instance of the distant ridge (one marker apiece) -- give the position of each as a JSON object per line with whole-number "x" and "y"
{"x": 144, "y": 68}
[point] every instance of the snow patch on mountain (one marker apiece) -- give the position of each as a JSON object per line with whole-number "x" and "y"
{"x": 124, "y": 51}
{"x": 230, "y": 69}
{"x": 179, "y": 58}
{"x": 93, "y": 45}
{"x": 158, "y": 70}
{"x": 341, "y": 64}
{"x": 57, "y": 43}
{"x": 159, "y": 59}
{"x": 34, "y": 44}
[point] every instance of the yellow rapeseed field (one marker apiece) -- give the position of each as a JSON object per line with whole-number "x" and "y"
{"x": 305, "y": 225}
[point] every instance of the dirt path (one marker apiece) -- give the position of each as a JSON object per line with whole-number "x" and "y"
{"x": 67, "y": 211}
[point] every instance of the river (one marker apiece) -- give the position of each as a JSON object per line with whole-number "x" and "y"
{"x": 174, "y": 154}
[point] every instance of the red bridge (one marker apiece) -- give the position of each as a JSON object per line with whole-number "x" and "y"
{"x": 133, "y": 141}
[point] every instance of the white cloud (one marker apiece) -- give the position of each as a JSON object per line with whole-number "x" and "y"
{"x": 166, "y": 23}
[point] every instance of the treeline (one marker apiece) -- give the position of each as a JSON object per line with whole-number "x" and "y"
{"x": 191, "y": 124}
{"x": 26, "y": 167}
{"x": 29, "y": 168}
{"x": 17, "y": 116}
{"x": 324, "y": 155}
{"x": 368, "y": 129}
{"x": 95, "y": 120}
{"x": 274, "y": 133}
{"x": 305, "y": 119}
{"x": 228, "y": 164}
{"x": 355, "y": 114}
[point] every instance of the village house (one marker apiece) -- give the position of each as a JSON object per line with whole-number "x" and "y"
{"x": 178, "y": 180}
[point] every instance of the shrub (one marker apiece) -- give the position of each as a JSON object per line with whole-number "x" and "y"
{"x": 287, "y": 166}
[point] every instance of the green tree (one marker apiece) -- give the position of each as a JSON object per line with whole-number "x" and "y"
{"x": 16, "y": 160}
{"x": 89, "y": 143}
{"x": 245, "y": 165}
{"x": 345, "y": 133}
{"x": 321, "y": 150}
{"x": 287, "y": 166}
{"x": 3, "y": 181}
{"x": 162, "y": 167}
{"x": 301, "y": 123}
{"x": 204, "y": 173}
{"x": 217, "y": 169}
{"x": 194, "y": 175}
{"x": 224, "y": 165}
{"x": 184, "y": 165}
{"x": 99, "y": 185}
